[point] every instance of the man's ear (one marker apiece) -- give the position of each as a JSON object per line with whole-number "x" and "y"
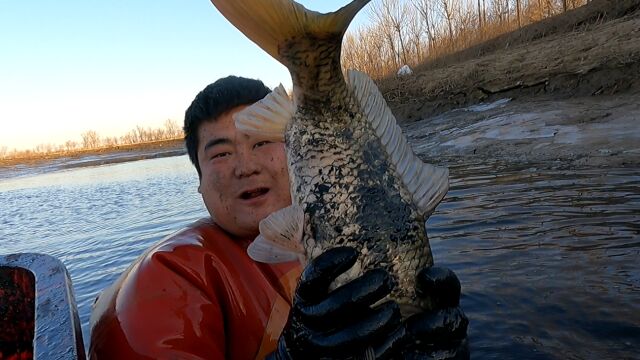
{"x": 199, "y": 189}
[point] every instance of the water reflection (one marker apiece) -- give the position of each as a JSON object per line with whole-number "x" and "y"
{"x": 548, "y": 259}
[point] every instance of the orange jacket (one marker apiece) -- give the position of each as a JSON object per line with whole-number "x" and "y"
{"x": 194, "y": 295}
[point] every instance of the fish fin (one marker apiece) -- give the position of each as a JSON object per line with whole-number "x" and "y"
{"x": 280, "y": 238}
{"x": 427, "y": 183}
{"x": 261, "y": 250}
{"x": 270, "y": 23}
{"x": 267, "y": 117}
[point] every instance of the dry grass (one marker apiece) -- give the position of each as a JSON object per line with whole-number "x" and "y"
{"x": 593, "y": 50}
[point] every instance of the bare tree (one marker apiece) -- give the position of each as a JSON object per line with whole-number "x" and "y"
{"x": 447, "y": 8}
{"x": 398, "y": 17}
{"x": 415, "y": 30}
{"x": 70, "y": 145}
{"x": 499, "y": 10}
{"x": 110, "y": 141}
{"x": 391, "y": 16}
{"x": 3, "y": 151}
{"x": 90, "y": 139}
{"x": 424, "y": 8}
{"x": 172, "y": 129}
{"x": 369, "y": 51}
{"x": 379, "y": 16}
{"x": 141, "y": 135}
{"x": 484, "y": 12}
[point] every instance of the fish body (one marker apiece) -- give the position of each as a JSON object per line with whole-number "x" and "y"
{"x": 354, "y": 179}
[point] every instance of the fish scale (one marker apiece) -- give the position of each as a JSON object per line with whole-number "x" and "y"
{"x": 365, "y": 218}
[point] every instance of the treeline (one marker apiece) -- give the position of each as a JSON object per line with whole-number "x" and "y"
{"x": 91, "y": 140}
{"x": 411, "y": 32}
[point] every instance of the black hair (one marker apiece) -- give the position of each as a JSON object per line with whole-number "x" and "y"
{"x": 215, "y": 100}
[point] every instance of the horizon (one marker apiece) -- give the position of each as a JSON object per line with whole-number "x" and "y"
{"x": 71, "y": 67}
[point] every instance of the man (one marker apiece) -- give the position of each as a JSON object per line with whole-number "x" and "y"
{"x": 197, "y": 295}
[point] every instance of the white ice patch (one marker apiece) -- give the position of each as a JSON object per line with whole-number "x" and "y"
{"x": 487, "y": 106}
{"x": 514, "y": 127}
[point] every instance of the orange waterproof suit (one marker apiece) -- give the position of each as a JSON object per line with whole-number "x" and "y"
{"x": 194, "y": 295}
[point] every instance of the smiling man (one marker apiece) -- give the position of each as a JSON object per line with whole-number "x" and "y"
{"x": 245, "y": 179}
{"x": 197, "y": 294}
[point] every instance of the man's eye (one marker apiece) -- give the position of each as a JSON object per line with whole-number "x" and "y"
{"x": 220, "y": 155}
{"x": 261, "y": 143}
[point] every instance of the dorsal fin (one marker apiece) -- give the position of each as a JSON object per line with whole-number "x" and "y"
{"x": 268, "y": 117}
{"x": 427, "y": 183}
{"x": 269, "y": 23}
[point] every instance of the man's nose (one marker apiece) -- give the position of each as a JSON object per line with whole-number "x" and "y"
{"x": 246, "y": 164}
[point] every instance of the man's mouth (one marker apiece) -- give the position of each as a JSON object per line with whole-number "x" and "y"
{"x": 253, "y": 193}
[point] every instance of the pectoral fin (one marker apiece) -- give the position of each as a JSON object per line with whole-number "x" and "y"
{"x": 280, "y": 238}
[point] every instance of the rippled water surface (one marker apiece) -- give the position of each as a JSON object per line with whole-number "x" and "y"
{"x": 548, "y": 258}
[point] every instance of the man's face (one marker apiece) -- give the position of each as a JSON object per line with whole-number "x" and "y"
{"x": 244, "y": 178}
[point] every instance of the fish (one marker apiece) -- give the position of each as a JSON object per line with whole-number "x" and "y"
{"x": 354, "y": 179}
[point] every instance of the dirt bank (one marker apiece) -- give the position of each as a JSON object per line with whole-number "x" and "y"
{"x": 577, "y": 68}
{"x": 590, "y": 51}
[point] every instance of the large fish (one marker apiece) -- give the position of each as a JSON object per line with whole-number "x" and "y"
{"x": 354, "y": 179}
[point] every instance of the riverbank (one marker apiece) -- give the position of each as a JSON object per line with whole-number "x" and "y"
{"x": 10, "y": 168}
{"x": 130, "y": 152}
{"x": 572, "y": 84}
{"x": 591, "y": 51}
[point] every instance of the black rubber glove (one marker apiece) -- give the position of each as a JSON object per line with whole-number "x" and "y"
{"x": 442, "y": 332}
{"x": 340, "y": 324}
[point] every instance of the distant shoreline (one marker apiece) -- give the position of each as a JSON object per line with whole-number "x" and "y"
{"x": 173, "y": 147}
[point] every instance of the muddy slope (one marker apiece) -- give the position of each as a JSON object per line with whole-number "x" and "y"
{"x": 590, "y": 51}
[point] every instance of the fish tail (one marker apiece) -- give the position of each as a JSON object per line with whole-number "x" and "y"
{"x": 273, "y": 24}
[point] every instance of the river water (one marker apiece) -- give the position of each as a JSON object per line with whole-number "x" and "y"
{"x": 549, "y": 258}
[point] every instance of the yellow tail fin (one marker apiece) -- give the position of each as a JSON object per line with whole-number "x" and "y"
{"x": 269, "y": 23}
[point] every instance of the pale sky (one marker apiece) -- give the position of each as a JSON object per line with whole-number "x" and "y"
{"x": 76, "y": 65}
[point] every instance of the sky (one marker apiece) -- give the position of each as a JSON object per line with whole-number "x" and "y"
{"x": 70, "y": 66}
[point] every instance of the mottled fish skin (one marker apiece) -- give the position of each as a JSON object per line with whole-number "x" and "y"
{"x": 341, "y": 173}
{"x": 342, "y": 176}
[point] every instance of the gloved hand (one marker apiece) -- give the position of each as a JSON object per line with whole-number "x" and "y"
{"x": 342, "y": 323}
{"x": 442, "y": 332}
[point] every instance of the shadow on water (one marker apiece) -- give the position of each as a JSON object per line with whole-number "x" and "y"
{"x": 549, "y": 259}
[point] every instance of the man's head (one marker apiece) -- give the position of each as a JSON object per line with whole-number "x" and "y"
{"x": 243, "y": 178}
{"x": 216, "y": 99}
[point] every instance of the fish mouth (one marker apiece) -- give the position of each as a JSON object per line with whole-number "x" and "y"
{"x": 253, "y": 193}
